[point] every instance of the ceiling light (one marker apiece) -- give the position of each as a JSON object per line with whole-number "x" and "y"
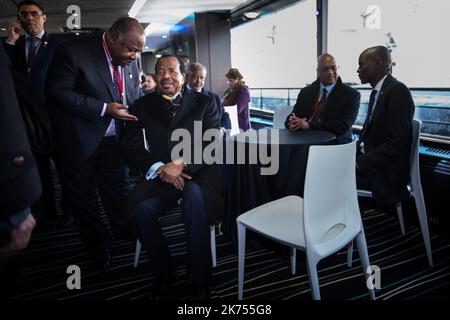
{"x": 136, "y": 7}
{"x": 3, "y": 29}
{"x": 252, "y": 14}
{"x": 158, "y": 56}
{"x": 164, "y": 36}
{"x": 157, "y": 26}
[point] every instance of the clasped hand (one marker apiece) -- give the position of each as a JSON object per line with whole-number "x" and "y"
{"x": 172, "y": 173}
{"x": 295, "y": 123}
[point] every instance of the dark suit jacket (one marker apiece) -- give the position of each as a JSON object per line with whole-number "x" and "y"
{"x": 19, "y": 182}
{"x": 34, "y": 114}
{"x": 387, "y": 143}
{"x": 153, "y": 115}
{"x": 339, "y": 113}
{"x": 79, "y": 83}
{"x": 40, "y": 63}
{"x": 223, "y": 116}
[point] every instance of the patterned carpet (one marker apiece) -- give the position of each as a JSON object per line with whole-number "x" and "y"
{"x": 405, "y": 274}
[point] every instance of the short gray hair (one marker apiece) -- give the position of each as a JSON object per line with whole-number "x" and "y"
{"x": 194, "y": 66}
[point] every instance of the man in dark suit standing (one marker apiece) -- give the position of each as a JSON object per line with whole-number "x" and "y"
{"x": 30, "y": 56}
{"x": 167, "y": 179}
{"x": 19, "y": 180}
{"x": 385, "y": 140}
{"x": 326, "y": 104}
{"x": 91, "y": 81}
{"x": 195, "y": 81}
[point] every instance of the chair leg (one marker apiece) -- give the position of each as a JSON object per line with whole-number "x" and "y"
{"x": 364, "y": 256}
{"x": 219, "y": 228}
{"x": 293, "y": 260}
{"x": 137, "y": 253}
{"x": 241, "y": 259}
{"x": 398, "y": 205}
{"x": 350, "y": 254}
{"x": 213, "y": 245}
{"x": 313, "y": 277}
{"x": 422, "y": 213}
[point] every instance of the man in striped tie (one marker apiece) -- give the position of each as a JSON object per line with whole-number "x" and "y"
{"x": 90, "y": 84}
{"x": 326, "y": 104}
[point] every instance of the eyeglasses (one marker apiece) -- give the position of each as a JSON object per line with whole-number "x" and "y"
{"x": 33, "y": 14}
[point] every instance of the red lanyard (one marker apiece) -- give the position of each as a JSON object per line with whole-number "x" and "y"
{"x": 115, "y": 73}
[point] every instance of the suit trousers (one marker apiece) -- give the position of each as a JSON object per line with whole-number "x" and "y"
{"x": 107, "y": 174}
{"x": 148, "y": 227}
{"x": 45, "y": 207}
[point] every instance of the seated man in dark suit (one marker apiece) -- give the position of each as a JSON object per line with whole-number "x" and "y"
{"x": 195, "y": 81}
{"x": 326, "y": 104}
{"x": 168, "y": 179}
{"x": 385, "y": 140}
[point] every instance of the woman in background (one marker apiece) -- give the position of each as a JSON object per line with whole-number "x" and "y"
{"x": 238, "y": 94}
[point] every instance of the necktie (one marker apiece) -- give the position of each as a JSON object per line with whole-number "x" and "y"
{"x": 320, "y": 104}
{"x": 116, "y": 86}
{"x": 117, "y": 98}
{"x": 369, "y": 112}
{"x": 174, "y": 104}
{"x": 32, "y": 41}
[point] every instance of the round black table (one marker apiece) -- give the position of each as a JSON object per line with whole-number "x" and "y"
{"x": 246, "y": 185}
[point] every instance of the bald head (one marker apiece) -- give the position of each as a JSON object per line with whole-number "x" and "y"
{"x": 327, "y": 69}
{"x": 196, "y": 76}
{"x": 374, "y": 64}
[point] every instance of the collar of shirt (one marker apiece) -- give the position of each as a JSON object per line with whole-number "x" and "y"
{"x": 329, "y": 88}
{"x": 379, "y": 84}
{"x": 40, "y": 35}
{"x": 378, "y": 88}
{"x": 175, "y": 95}
{"x": 189, "y": 87}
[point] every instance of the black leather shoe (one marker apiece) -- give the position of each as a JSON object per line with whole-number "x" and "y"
{"x": 163, "y": 284}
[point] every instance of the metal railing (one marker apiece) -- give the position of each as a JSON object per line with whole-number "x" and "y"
{"x": 432, "y": 105}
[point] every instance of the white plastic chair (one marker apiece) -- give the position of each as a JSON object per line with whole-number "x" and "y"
{"x": 415, "y": 190}
{"x": 324, "y": 221}
{"x": 213, "y": 248}
{"x": 232, "y": 112}
{"x": 280, "y": 115}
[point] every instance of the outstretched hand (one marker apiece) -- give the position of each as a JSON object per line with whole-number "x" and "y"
{"x": 119, "y": 111}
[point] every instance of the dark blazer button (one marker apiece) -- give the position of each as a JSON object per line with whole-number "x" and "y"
{"x": 19, "y": 160}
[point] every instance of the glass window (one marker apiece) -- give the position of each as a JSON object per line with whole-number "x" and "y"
{"x": 278, "y": 50}
{"x": 415, "y": 32}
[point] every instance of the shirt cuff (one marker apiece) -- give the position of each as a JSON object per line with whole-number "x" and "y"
{"x": 10, "y": 43}
{"x": 15, "y": 220}
{"x": 151, "y": 174}
{"x": 103, "y": 110}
